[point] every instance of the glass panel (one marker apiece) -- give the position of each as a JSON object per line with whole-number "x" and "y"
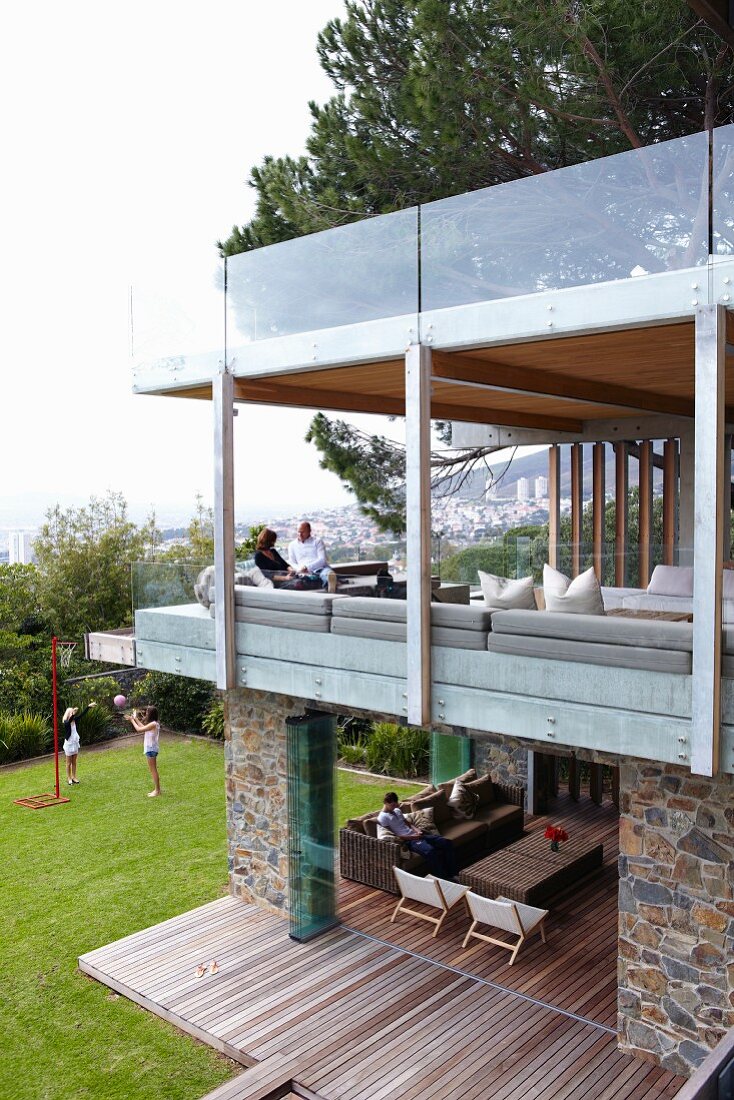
{"x": 177, "y": 330}
{"x": 311, "y": 768}
{"x": 358, "y": 272}
{"x": 450, "y": 756}
{"x": 623, "y": 216}
{"x": 723, "y": 191}
{"x": 164, "y": 583}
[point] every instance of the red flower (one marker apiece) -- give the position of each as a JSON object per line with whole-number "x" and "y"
{"x": 555, "y": 833}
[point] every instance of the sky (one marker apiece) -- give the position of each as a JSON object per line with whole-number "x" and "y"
{"x": 129, "y": 133}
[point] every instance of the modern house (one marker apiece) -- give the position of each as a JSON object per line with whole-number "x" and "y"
{"x": 588, "y": 306}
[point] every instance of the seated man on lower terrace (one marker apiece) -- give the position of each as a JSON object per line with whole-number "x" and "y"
{"x": 307, "y": 555}
{"x": 437, "y": 851}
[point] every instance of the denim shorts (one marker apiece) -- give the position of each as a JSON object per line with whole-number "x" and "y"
{"x": 153, "y": 753}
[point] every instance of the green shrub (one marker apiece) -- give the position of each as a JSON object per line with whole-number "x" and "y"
{"x": 182, "y": 702}
{"x": 213, "y": 722}
{"x": 353, "y": 755}
{"x": 94, "y": 725}
{"x": 398, "y": 750}
{"x": 23, "y": 736}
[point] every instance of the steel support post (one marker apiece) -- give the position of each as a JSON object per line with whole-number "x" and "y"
{"x": 418, "y": 518}
{"x": 708, "y": 539}
{"x": 224, "y": 559}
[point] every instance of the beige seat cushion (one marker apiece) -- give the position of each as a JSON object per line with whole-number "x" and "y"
{"x": 461, "y": 832}
{"x": 500, "y": 813}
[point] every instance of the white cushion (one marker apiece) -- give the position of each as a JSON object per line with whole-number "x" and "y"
{"x": 671, "y": 580}
{"x": 504, "y": 594}
{"x": 580, "y": 596}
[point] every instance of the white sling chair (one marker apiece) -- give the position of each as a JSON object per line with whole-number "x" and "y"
{"x": 436, "y": 892}
{"x": 509, "y": 916}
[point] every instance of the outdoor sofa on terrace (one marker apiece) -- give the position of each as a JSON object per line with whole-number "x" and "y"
{"x": 499, "y": 818}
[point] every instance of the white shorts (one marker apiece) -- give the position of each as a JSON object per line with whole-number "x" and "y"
{"x": 71, "y": 745}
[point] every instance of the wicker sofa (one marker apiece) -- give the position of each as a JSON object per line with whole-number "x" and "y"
{"x": 498, "y": 820}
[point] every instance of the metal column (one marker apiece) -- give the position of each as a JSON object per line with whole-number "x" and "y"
{"x": 708, "y": 539}
{"x": 418, "y": 517}
{"x": 224, "y": 624}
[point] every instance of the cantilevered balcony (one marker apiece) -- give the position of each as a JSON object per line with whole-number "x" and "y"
{"x": 584, "y": 306}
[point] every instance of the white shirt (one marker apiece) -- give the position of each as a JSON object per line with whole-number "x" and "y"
{"x": 395, "y": 822}
{"x": 311, "y": 553}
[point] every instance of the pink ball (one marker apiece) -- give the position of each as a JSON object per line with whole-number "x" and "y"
{"x": 120, "y": 700}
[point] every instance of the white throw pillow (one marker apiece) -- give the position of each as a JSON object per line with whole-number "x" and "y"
{"x": 258, "y": 578}
{"x": 503, "y": 594}
{"x": 580, "y": 596}
{"x": 671, "y": 580}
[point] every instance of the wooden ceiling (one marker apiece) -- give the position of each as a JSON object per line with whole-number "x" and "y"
{"x": 554, "y": 384}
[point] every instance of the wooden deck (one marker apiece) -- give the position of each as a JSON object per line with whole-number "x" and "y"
{"x": 348, "y": 1018}
{"x": 576, "y": 971}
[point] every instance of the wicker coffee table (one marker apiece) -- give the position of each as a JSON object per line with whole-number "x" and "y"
{"x": 529, "y": 871}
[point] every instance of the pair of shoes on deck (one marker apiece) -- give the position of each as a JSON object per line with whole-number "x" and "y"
{"x": 201, "y": 970}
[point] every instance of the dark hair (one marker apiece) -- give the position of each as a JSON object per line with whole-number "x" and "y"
{"x": 391, "y": 797}
{"x": 151, "y": 714}
{"x": 266, "y": 540}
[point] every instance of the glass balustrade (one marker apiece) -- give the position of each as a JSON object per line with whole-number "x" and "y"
{"x": 722, "y": 215}
{"x": 359, "y": 272}
{"x": 164, "y": 583}
{"x": 637, "y": 213}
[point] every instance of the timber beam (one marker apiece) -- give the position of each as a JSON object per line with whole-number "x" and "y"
{"x": 541, "y": 383}
{"x": 268, "y": 393}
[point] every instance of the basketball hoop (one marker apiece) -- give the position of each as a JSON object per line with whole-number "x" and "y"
{"x": 64, "y": 651}
{"x": 60, "y": 656}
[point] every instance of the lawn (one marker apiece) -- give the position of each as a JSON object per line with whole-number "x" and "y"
{"x": 78, "y": 876}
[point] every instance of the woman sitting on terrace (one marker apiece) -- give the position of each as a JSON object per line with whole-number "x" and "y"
{"x": 269, "y": 560}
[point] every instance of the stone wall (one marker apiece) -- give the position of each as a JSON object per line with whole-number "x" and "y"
{"x": 506, "y": 759}
{"x": 257, "y": 805}
{"x": 676, "y": 913}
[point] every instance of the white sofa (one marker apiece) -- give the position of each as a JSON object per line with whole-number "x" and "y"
{"x": 670, "y": 589}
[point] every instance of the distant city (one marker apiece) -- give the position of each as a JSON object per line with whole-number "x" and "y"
{"x": 484, "y": 506}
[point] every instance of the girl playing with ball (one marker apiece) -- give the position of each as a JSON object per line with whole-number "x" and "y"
{"x": 150, "y": 727}
{"x": 71, "y": 740}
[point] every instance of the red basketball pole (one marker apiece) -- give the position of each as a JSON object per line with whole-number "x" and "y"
{"x": 56, "y": 712}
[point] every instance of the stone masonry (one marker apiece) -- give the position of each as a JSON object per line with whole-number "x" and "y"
{"x": 506, "y": 760}
{"x": 257, "y": 803}
{"x": 676, "y": 913}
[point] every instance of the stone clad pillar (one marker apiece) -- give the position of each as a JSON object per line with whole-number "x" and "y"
{"x": 676, "y": 913}
{"x": 257, "y": 803}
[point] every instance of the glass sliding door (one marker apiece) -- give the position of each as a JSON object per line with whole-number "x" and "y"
{"x": 311, "y": 827}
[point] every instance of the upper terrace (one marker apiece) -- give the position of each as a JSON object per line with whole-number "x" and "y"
{"x": 589, "y": 304}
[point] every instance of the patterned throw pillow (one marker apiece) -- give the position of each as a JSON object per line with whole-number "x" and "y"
{"x": 384, "y": 833}
{"x": 423, "y": 820}
{"x": 463, "y": 802}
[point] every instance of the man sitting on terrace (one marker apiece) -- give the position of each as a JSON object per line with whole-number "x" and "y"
{"x": 307, "y": 555}
{"x": 438, "y": 851}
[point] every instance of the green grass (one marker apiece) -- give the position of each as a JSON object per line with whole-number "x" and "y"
{"x": 77, "y": 876}
{"x": 358, "y": 794}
